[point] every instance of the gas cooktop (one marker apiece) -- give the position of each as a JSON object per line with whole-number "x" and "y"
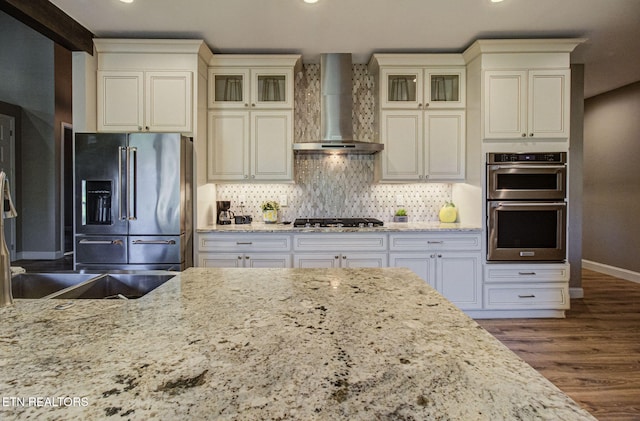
{"x": 337, "y": 222}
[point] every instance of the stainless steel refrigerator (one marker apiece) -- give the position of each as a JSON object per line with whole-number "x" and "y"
{"x": 133, "y": 201}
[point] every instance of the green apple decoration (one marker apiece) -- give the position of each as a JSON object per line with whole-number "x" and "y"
{"x": 448, "y": 213}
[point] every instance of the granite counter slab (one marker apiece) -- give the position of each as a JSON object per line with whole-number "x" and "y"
{"x": 255, "y": 344}
{"x": 387, "y": 227}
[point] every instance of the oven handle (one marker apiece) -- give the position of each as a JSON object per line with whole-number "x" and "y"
{"x": 527, "y": 204}
{"x": 526, "y": 167}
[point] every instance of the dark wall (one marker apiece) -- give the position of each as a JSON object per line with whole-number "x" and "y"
{"x": 611, "y": 229}
{"x": 27, "y": 79}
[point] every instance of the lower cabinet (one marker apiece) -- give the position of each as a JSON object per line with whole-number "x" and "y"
{"x": 451, "y": 262}
{"x": 253, "y": 260}
{"x": 541, "y": 288}
{"x": 456, "y": 275}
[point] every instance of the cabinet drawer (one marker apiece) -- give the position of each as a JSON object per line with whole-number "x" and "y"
{"x": 497, "y": 273}
{"x": 239, "y": 260}
{"x": 517, "y": 296}
{"x": 244, "y": 242}
{"x": 340, "y": 242}
{"x": 429, "y": 241}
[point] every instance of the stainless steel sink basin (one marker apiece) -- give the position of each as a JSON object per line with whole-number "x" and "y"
{"x": 71, "y": 285}
{"x": 119, "y": 285}
{"x": 38, "y": 285}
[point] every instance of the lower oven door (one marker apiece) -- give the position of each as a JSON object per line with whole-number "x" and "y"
{"x": 526, "y": 231}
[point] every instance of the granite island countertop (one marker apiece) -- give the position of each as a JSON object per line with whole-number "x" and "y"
{"x": 387, "y": 227}
{"x": 256, "y": 344}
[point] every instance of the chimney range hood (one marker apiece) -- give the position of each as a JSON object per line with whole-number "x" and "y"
{"x": 336, "y": 102}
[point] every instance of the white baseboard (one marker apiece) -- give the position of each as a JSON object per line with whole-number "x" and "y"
{"x": 39, "y": 255}
{"x": 611, "y": 270}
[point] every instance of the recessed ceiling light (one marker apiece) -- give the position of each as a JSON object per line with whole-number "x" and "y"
{"x": 496, "y": 1}
{"x": 310, "y": 1}
{"x": 127, "y": 1}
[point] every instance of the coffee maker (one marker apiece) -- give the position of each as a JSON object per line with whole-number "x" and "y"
{"x": 223, "y": 215}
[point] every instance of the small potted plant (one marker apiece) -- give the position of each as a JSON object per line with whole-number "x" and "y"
{"x": 400, "y": 216}
{"x": 270, "y": 211}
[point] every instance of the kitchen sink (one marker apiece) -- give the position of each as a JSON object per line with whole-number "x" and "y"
{"x": 72, "y": 285}
{"x": 38, "y": 285}
{"x": 129, "y": 286}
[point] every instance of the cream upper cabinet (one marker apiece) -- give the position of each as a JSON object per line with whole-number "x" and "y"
{"x": 150, "y": 84}
{"x": 253, "y": 146}
{"x": 526, "y": 104}
{"x": 250, "y": 119}
{"x": 421, "y": 101}
{"x": 159, "y": 101}
{"x": 251, "y": 88}
{"x": 422, "y": 88}
{"x": 422, "y": 145}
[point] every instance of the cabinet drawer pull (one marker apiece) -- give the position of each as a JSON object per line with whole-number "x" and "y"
{"x": 435, "y": 242}
{"x": 526, "y": 296}
{"x": 526, "y": 273}
{"x": 244, "y": 243}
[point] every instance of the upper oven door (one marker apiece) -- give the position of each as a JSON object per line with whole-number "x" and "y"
{"x": 526, "y": 182}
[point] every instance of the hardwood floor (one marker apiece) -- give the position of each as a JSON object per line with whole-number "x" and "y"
{"x": 594, "y": 354}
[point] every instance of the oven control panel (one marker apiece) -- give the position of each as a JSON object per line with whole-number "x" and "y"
{"x": 534, "y": 158}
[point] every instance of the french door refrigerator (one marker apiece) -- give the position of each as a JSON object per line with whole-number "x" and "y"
{"x": 133, "y": 201}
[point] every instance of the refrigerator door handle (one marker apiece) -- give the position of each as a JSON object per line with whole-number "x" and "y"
{"x": 102, "y": 242}
{"x": 121, "y": 195}
{"x": 167, "y": 242}
{"x": 132, "y": 185}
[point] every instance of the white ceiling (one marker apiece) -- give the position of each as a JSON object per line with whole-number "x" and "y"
{"x": 611, "y": 55}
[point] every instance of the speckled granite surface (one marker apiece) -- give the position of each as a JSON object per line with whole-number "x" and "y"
{"x": 388, "y": 227}
{"x": 276, "y": 344}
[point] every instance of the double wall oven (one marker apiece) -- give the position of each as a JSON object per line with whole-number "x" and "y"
{"x": 526, "y": 206}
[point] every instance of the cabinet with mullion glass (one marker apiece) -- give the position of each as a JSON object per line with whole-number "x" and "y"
{"x": 250, "y": 88}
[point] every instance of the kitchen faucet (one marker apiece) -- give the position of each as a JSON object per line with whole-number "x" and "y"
{"x": 8, "y": 211}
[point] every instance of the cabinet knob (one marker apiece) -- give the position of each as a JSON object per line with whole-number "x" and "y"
{"x": 426, "y": 105}
{"x": 530, "y": 134}
{"x": 344, "y": 257}
{"x": 239, "y": 257}
{"x": 336, "y": 257}
{"x": 433, "y": 256}
{"x": 439, "y": 255}
{"x": 253, "y": 105}
{"x": 524, "y": 135}
{"x": 246, "y": 105}
{"x": 419, "y": 105}
{"x": 139, "y": 128}
{"x": 246, "y": 176}
{"x": 246, "y": 257}
{"x": 146, "y": 128}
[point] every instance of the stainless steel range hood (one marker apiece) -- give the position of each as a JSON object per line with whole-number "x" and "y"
{"x": 336, "y": 102}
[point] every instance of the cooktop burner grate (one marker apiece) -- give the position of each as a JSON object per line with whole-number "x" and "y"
{"x": 337, "y": 222}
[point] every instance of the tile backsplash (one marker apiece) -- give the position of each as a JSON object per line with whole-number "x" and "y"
{"x": 336, "y": 185}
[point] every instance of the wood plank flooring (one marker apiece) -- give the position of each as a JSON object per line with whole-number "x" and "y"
{"x": 594, "y": 354}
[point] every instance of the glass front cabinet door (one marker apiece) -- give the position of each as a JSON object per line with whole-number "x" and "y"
{"x": 250, "y": 88}
{"x": 419, "y": 88}
{"x": 445, "y": 88}
{"x": 272, "y": 88}
{"x": 401, "y": 88}
{"x": 229, "y": 88}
